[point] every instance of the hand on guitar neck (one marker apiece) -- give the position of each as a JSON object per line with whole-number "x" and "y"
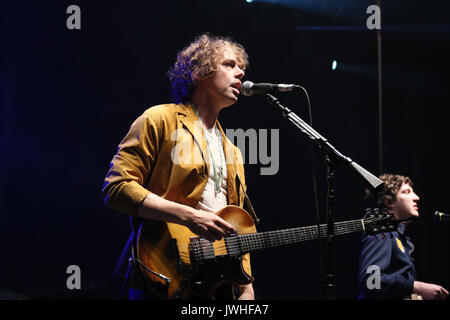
{"x": 203, "y": 223}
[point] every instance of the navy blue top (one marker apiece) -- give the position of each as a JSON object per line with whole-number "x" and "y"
{"x": 393, "y": 258}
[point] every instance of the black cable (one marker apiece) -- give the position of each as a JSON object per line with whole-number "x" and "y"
{"x": 314, "y": 179}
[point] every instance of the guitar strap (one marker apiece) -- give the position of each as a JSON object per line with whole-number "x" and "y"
{"x": 247, "y": 200}
{"x": 128, "y": 256}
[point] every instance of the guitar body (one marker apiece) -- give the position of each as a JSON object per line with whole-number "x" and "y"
{"x": 169, "y": 250}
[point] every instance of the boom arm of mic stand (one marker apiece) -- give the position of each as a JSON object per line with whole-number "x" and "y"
{"x": 337, "y": 158}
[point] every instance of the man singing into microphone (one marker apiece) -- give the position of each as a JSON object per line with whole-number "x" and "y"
{"x": 392, "y": 256}
{"x": 151, "y": 178}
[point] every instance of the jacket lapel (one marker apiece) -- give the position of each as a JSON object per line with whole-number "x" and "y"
{"x": 190, "y": 121}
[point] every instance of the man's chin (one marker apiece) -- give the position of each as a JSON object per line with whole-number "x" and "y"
{"x": 232, "y": 100}
{"x": 414, "y": 215}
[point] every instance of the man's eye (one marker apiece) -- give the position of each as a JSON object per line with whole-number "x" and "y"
{"x": 229, "y": 64}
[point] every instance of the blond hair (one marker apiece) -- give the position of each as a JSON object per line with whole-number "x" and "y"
{"x": 199, "y": 60}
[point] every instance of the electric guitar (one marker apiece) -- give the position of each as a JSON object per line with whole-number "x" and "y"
{"x": 180, "y": 265}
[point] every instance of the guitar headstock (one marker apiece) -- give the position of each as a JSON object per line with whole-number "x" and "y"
{"x": 378, "y": 221}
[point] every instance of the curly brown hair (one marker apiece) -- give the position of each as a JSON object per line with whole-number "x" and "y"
{"x": 392, "y": 184}
{"x": 199, "y": 60}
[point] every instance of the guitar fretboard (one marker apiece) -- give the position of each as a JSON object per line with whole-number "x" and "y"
{"x": 262, "y": 240}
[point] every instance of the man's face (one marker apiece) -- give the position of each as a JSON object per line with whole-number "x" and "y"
{"x": 405, "y": 205}
{"x": 224, "y": 84}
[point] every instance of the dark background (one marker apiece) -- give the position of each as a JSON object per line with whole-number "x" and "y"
{"x": 69, "y": 97}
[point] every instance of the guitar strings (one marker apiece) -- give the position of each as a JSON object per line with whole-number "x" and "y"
{"x": 309, "y": 232}
{"x": 250, "y": 244}
{"x": 255, "y": 241}
{"x": 249, "y": 241}
{"x": 283, "y": 237}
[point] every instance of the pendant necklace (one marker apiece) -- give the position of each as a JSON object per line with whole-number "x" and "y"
{"x": 218, "y": 177}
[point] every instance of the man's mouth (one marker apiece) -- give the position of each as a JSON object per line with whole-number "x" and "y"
{"x": 236, "y": 86}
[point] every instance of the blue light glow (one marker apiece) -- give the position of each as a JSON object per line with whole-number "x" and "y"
{"x": 334, "y": 65}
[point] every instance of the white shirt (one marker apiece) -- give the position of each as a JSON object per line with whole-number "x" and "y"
{"x": 210, "y": 200}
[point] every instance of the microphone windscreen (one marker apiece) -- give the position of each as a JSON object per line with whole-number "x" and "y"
{"x": 246, "y": 88}
{"x": 440, "y": 216}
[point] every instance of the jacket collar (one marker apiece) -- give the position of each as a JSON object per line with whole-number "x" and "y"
{"x": 192, "y": 123}
{"x": 401, "y": 228}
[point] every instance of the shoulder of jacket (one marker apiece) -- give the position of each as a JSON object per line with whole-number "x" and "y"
{"x": 161, "y": 110}
{"x": 163, "y": 113}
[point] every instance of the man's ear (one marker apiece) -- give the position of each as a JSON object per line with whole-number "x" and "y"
{"x": 389, "y": 206}
{"x": 198, "y": 78}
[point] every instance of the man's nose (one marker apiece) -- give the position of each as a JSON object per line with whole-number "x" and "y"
{"x": 239, "y": 73}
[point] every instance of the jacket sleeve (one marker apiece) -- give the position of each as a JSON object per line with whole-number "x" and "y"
{"x": 246, "y": 262}
{"x": 378, "y": 252}
{"x": 131, "y": 167}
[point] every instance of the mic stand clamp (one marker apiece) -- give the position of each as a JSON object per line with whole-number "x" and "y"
{"x": 333, "y": 159}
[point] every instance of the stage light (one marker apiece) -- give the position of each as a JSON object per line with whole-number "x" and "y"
{"x": 334, "y": 65}
{"x": 249, "y": 1}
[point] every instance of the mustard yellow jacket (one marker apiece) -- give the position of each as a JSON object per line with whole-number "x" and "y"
{"x": 165, "y": 152}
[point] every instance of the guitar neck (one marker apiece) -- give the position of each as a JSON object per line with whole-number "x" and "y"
{"x": 262, "y": 240}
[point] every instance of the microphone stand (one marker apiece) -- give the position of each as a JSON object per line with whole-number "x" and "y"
{"x": 333, "y": 158}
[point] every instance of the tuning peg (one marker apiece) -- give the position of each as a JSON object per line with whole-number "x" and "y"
{"x": 368, "y": 210}
{"x": 384, "y": 211}
{"x": 376, "y": 211}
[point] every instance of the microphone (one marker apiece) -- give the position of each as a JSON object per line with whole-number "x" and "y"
{"x": 249, "y": 88}
{"x": 440, "y": 216}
